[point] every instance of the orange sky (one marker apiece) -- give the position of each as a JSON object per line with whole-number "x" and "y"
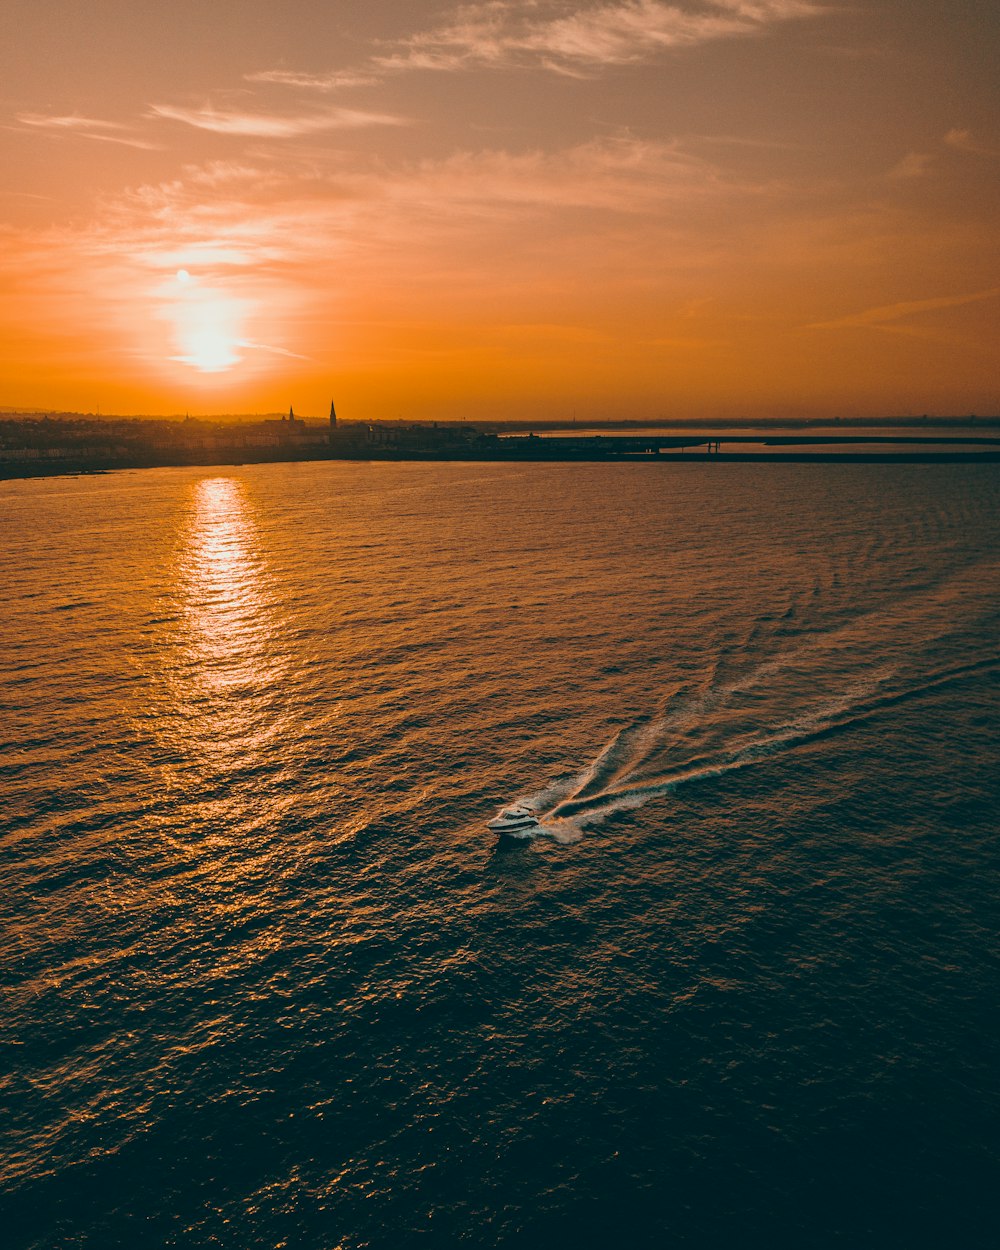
{"x": 620, "y": 208}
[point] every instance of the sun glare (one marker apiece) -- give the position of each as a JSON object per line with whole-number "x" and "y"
{"x": 212, "y": 352}
{"x": 207, "y": 324}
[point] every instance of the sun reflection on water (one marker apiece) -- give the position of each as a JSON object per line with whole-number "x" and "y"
{"x": 232, "y": 654}
{"x": 219, "y": 708}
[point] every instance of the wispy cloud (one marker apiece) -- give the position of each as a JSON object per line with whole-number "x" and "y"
{"x": 7, "y": 193}
{"x": 230, "y": 121}
{"x": 584, "y": 39}
{"x": 685, "y": 343}
{"x": 86, "y": 128}
{"x": 336, "y": 80}
{"x": 912, "y": 166}
{"x": 561, "y": 36}
{"x": 917, "y": 164}
{"x": 964, "y": 141}
{"x": 886, "y": 316}
{"x": 273, "y": 351}
{"x": 624, "y": 175}
{"x": 228, "y": 220}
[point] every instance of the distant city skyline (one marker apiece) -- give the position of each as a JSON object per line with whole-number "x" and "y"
{"x": 624, "y": 209}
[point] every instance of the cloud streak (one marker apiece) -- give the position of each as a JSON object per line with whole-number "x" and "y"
{"x": 913, "y": 165}
{"x": 963, "y": 141}
{"x": 570, "y": 39}
{"x": 885, "y": 316}
{"x": 259, "y": 125}
{"x": 336, "y": 80}
{"x": 86, "y": 128}
{"x": 583, "y": 41}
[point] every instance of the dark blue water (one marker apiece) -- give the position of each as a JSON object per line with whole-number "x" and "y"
{"x": 268, "y": 979}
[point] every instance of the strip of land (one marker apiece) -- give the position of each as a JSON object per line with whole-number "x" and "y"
{"x": 33, "y": 446}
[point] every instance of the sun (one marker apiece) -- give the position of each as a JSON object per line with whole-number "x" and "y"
{"x": 207, "y": 324}
{"x": 209, "y": 338}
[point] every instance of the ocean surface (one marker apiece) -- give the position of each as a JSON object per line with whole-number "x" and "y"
{"x": 269, "y": 980}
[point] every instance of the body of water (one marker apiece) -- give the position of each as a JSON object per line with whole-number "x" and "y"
{"x": 269, "y": 981}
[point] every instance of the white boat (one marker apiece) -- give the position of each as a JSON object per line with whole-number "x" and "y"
{"x": 517, "y": 821}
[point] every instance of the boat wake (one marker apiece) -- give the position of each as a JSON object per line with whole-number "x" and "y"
{"x": 701, "y": 736}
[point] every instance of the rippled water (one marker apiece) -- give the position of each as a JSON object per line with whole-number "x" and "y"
{"x": 270, "y": 981}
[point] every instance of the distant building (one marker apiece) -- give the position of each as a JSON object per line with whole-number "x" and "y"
{"x": 426, "y": 440}
{"x": 344, "y": 437}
